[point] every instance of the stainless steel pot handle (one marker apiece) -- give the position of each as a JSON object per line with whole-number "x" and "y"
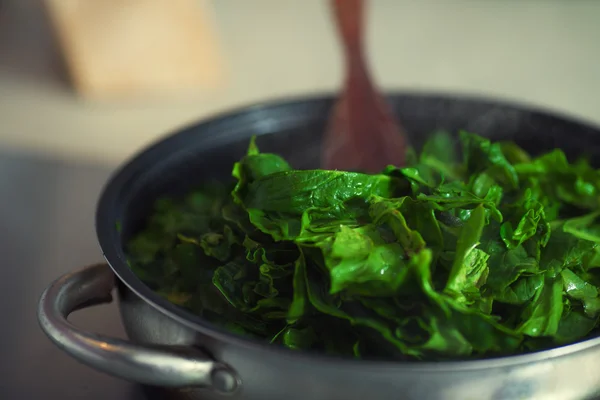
{"x": 166, "y": 366}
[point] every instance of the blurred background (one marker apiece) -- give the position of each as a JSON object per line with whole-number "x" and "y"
{"x": 63, "y": 79}
{"x": 84, "y": 84}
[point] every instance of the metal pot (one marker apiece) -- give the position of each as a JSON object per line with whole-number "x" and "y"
{"x": 170, "y": 347}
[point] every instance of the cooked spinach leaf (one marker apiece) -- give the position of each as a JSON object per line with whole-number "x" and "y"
{"x": 471, "y": 250}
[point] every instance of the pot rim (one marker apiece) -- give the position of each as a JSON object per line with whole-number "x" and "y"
{"x": 108, "y": 238}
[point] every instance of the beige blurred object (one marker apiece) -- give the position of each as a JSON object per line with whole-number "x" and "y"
{"x": 125, "y": 48}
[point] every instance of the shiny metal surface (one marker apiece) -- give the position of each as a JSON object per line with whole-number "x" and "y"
{"x": 159, "y": 365}
{"x": 271, "y": 372}
{"x": 47, "y": 229}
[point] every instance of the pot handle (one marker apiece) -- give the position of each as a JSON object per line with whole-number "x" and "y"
{"x": 156, "y": 365}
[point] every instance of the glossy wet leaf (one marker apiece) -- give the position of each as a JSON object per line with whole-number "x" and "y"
{"x": 470, "y": 269}
{"x": 472, "y": 249}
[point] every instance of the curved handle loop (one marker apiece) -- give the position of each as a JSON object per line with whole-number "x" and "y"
{"x": 165, "y": 366}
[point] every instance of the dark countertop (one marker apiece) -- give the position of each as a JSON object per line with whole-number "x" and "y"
{"x": 46, "y": 229}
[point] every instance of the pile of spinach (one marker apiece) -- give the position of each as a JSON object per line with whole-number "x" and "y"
{"x": 477, "y": 252}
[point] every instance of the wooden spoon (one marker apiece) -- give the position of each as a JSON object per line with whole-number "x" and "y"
{"x": 362, "y": 134}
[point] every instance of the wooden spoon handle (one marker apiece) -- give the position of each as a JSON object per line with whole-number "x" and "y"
{"x": 348, "y": 15}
